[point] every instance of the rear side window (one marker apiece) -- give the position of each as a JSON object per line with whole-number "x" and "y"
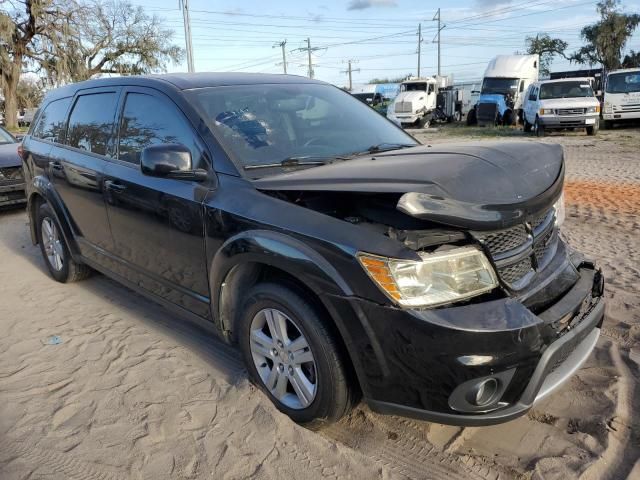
{"x": 91, "y": 122}
{"x": 149, "y": 120}
{"x": 52, "y": 121}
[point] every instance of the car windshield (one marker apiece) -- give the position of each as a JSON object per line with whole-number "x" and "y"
{"x": 565, "y": 90}
{"x": 499, "y": 85}
{"x": 623, "y": 82}
{"x": 268, "y": 124}
{"x": 6, "y": 137}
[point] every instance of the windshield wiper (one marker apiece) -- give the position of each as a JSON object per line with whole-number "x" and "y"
{"x": 296, "y": 161}
{"x": 384, "y": 147}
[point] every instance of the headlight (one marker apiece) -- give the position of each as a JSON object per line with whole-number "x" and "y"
{"x": 608, "y": 108}
{"x": 559, "y": 209}
{"x": 593, "y": 109}
{"x": 546, "y": 111}
{"x": 439, "y": 278}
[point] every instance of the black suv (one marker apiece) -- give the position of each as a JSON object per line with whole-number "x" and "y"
{"x": 341, "y": 256}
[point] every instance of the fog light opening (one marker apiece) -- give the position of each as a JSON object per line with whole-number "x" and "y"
{"x": 485, "y": 392}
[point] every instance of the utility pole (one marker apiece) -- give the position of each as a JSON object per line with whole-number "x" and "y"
{"x": 440, "y": 27}
{"x": 309, "y": 53}
{"x": 308, "y": 49}
{"x": 419, "y": 46}
{"x": 350, "y": 70}
{"x": 284, "y": 55}
{"x": 184, "y": 5}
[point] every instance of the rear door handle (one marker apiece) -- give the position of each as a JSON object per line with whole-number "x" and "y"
{"x": 114, "y": 186}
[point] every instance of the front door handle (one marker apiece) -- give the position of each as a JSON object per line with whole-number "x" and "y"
{"x": 55, "y": 165}
{"x": 114, "y": 186}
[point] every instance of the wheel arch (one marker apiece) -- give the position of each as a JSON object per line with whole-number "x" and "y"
{"x": 42, "y": 191}
{"x": 255, "y": 256}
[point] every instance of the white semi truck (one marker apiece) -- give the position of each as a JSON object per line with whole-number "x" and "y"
{"x": 504, "y": 85}
{"x": 621, "y": 96}
{"x": 422, "y": 101}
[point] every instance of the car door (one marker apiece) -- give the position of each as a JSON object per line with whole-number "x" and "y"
{"x": 157, "y": 223}
{"x": 76, "y": 169}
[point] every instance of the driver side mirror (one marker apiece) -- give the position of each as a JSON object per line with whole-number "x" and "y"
{"x": 170, "y": 160}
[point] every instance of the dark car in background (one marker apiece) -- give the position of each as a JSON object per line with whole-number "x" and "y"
{"x": 342, "y": 257}
{"x": 11, "y": 178}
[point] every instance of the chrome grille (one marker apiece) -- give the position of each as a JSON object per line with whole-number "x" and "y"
{"x": 403, "y": 107}
{"x": 520, "y": 251}
{"x": 11, "y": 174}
{"x": 571, "y": 111}
{"x": 630, "y": 108}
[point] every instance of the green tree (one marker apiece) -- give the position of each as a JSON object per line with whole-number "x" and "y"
{"x": 28, "y": 29}
{"x": 389, "y": 80}
{"x": 29, "y": 93}
{"x": 547, "y": 48}
{"x": 114, "y": 37}
{"x": 605, "y": 40}
{"x": 631, "y": 60}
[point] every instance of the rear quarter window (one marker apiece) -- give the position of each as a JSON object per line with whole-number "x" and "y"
{"x": 52, "y": 121}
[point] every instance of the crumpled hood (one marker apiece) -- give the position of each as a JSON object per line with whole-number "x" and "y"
{"x": 9, "y": 155}
{"x": 482, "y": 185}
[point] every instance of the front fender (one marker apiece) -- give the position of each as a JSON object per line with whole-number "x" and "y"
{"x": 40, "y": 187}
{"x": 280, "y": 251}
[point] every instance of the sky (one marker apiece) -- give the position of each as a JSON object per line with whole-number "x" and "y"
{"x": 379, "y": 36}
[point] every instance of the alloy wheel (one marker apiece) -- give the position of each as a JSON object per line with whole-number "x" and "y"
{"x": 52, "y": 244}
{"x": 283, "y": 358}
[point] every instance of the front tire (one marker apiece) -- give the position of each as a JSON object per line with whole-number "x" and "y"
{"x": 538, "y": 128}
{"x": 62, "y": 267}
{"x": 471, "y": 118}
{"x": 591, "y": 131}
{"x": 292, "y": 354}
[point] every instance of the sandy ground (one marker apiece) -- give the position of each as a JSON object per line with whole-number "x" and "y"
{"x": 131, "y": 392}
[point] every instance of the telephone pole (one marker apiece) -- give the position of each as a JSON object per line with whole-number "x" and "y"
{"x": 184, "y": 5}
{"x": 440, "y": 27}
{"x": 350, "y": 70}
{"x": 284, "y": 55}
{"x": 308, "y": 49}
{"x": 419, "y": 46}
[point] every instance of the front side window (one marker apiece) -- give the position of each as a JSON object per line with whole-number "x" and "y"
{"x": 51, "y": 123}
{"x": 565, "y": 90}
{"x": 623, "y": 82}
{"x": 149, "y": 120}
{"x": 91, "y": 122}
{"x": 268, "y": 124}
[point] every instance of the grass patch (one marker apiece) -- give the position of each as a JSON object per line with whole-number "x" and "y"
{"x": 461, "y": 130}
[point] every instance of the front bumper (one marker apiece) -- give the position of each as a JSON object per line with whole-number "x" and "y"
{"x": 568, "y": 121}
{"x": 404, "y": 118}
{"x": 623, "y": 115}
{"x": 412, "y": 362}
{"x": 12, "y": 193}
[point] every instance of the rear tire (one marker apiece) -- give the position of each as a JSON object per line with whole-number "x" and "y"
{"x": 55, "y": 252}
{"x": 526, "y": 125}
{"x": 270, "y": 309}
{"x": 508, "y": 118}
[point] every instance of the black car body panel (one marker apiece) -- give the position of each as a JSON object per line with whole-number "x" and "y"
{"x": 195, "y": 246}
{"x": 12, "y": 187}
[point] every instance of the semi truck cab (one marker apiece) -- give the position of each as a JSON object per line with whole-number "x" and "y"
{"x": 504, "y": 84}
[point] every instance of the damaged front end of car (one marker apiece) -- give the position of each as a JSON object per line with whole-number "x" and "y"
{"x": 488, "y": 309}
